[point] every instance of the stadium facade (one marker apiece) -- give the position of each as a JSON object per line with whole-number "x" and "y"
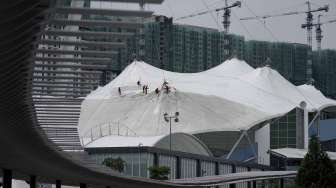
{"x": 228, "y": 108}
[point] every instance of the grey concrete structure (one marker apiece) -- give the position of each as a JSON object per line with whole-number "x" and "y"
{"x": 234, "y": 178}
{"x": 83, "y": 43}
{"x": 88, "y": 23}
{"x": 73, "y": 52}
{"x": 107, "y": 12}
{"x": 87, "y": 33}
{"x": 24, "y": 148}
{"x": 74, "y": 56}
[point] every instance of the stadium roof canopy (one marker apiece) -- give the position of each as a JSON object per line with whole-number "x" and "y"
{"x": 294, "y": 153}
{"x": 229, "y": 97}
{"x": 181, "y": 142}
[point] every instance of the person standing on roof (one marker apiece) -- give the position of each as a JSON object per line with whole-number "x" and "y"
{"x": 119, "y": 90}
{"x": 167, "y": 89}
{"x": 146, "y": 89}
{"x": 165, "y": 86}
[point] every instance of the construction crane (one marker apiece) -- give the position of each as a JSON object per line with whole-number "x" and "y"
{"x": 309, "y": 19}
{"x": 226, "y": 14}
{"x": 318, "y": 30}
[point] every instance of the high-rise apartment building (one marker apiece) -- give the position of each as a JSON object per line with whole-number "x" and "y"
{"x": 80, "y": 48}
{"x": 289, "y": 59}
{"x": 324, "y": 71}
{"x": 185, "y": 48}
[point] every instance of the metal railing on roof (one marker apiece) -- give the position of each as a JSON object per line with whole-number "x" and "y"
{"x": 106, "y": 129}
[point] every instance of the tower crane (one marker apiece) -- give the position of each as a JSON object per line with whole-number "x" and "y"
{"x": 309, "y": 18}
{"x": 318, "y": 30}
{"x": 226, "y": 14}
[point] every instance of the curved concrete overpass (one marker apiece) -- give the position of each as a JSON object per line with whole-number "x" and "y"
{"x": 24, "y": 148}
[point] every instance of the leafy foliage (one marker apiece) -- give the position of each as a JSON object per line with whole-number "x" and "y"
{"x": 316, "y": 170}
{"x": 159, "y": 172}
{"x": 115, "y": 164}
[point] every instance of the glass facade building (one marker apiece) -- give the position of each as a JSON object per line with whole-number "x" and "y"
{"x": 182, "y": 165}
{"x": 284, "y": 130}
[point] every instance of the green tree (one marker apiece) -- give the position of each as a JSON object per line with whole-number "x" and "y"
{"x": 115, "y": 164}
{"x": 316, "y": 170}
{"x": 159, "y": 172}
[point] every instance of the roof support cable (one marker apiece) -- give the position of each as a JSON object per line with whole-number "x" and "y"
{"x": 262, "y": 22}
{"x": 212, "y": 16}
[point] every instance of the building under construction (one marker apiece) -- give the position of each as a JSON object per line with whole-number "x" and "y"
{"x": 185, "y": 48}
{"x": 324, "y": 71}
{"x": 289, "y": 59}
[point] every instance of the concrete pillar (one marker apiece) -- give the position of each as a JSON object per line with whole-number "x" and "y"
{"x": 58, "y": 183}
{"x": 156, "y": 159}
{"x": 217, "y": 168}
{"x": 282, "y": 183}
{"x": 178, "y": 167}
{"x": 318, "y": 125}
{"x": 7, "y": 178}
{"x": 32, "y": 182}
{"x": 249, "y": 183}
{"x": 233, "y": 185}
{"x": 217, "y": 171}
{"x": 82, "y": 185}
{"x": 233, "y": 171}
{"x": 303, "y": 105}
{"x": 198, "y": 168}
{"x": 254, "y": 184}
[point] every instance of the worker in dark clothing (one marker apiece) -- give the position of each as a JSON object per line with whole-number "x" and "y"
{"x": 146, "y": 89}
{"x": 138, "y": 83}
{"x": 119, "y": 90}
{"x": 167, "y": 88}
{"x": 157, "y": 91}
{"x": 143, "y": 89}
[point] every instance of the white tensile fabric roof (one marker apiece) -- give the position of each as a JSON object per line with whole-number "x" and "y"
{"x": 229, "y": 97}
{"x": 180, "y": 142}
{"x": 315, "y": 97}
{"x": 294, "y": 153}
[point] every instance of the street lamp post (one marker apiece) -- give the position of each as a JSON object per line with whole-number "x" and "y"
{"x": 168, "y": 118}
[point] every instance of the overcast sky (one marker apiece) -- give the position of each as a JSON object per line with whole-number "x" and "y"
{"x": 286, "y": 28}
